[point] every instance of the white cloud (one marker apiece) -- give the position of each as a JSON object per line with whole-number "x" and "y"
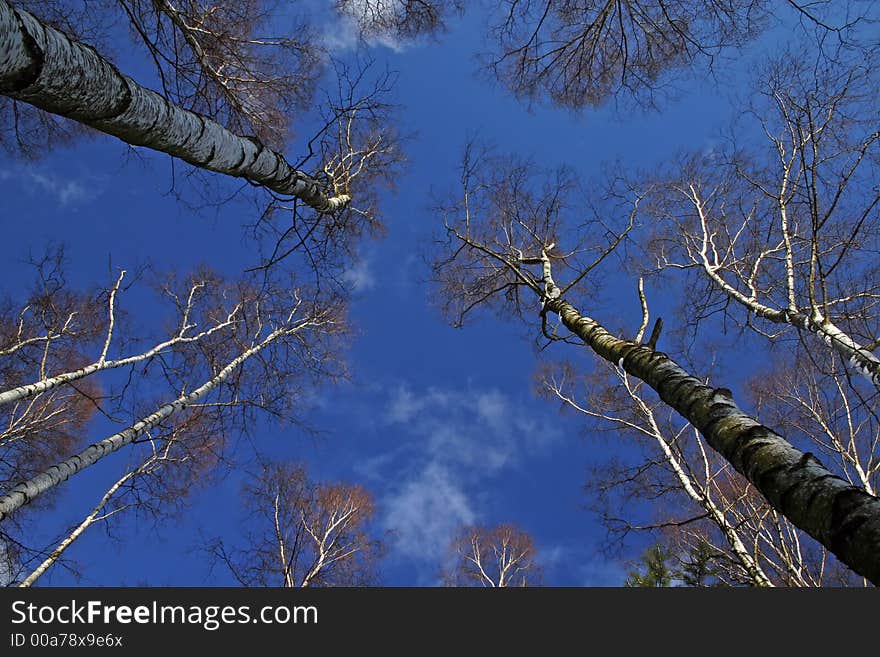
{"x": 492, "y": 408}
{"x": 599, "y": 572}
{"x": 425, "y": 512}
{"x": 64, "y": 191}
{"x": 581, "y": 565}
{"x": 359, "y": 277}
{"x": 481, "y": 431}
{"x": 363, "y": 18}
{"x": 454, "y": 440}
{"x": 405, "y": 405}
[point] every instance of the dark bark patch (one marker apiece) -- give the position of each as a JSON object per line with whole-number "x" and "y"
{"x": 819, "y": 490}
{"x": 35, "y": 66}
{"x": 749, "y": 442}
{"x": 846, "y": 520}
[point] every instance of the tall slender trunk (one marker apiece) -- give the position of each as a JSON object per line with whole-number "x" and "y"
{"x": 69, "y": 540}
{"x": 27, "y": 491}
{"x": 42, "y": 66}
{"x": 843, "y": 518}
{"x": 48, "y": 383}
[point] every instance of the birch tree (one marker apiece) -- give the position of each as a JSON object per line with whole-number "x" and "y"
{"x": 493, "y": 557}
{"x": 698, "y": 506}
{"x": 303, "y": 533}
{"x": 506, "y": 245}
{"x": 784, "y": 236}
{"x": 579, "y": 53}
{"x": 44, "y": 67}
{"x": 236, "y": 348}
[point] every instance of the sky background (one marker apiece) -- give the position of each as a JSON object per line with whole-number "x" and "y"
{"x": 441, "y": 424}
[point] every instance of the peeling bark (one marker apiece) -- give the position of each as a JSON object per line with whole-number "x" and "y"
{"x": 42, "y": 66}
{"x": 843, "y": 518}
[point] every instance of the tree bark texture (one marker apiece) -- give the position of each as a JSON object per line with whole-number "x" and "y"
{"x": 25, "y": 492}
{"x": 843, "y": 518}
{"x": 42, "y": 66}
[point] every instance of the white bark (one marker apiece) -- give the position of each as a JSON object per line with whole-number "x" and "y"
{"x": 87, "y": 522}
{"x": 327, "y": 548}
{"x": 864, "y": 362}
{"x": 27, "y": 491}
{"x": 476, "y": 558}
{"x": 101, "y": 364}
{"x": 42, "y": 66}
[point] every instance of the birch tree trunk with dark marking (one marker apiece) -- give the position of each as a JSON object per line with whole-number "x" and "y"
{"x": 42, "y": 66}
{"x": 699, "y": 492}
{"x": 842, "y": 517}
{"x": 501, "y": 247}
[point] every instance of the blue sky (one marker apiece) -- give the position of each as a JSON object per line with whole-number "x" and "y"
{"x": 441, "y": 424}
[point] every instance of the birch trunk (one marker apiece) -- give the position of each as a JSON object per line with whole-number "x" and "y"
{"x": 42, "y": 66}
{"x": 48, "y": 383}
{"x": 702, "y": 498}
{"x": 843, "y": 518}
{"x": 27, "y": 491}
{"x": 861, "y": 358}
{"x": 87, "y": 522}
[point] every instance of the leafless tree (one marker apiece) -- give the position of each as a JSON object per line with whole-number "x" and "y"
{"x": 399, "y": 18}
{"x": 232, "y": 351}
{"x": 493, "y": 557}
{"x": 780, "y": 238}
{"x": 505, "y": 241}
{"x": 581, "y": 53}
{"x": 784, "y": 236}
{"x": 303, "y": 533}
